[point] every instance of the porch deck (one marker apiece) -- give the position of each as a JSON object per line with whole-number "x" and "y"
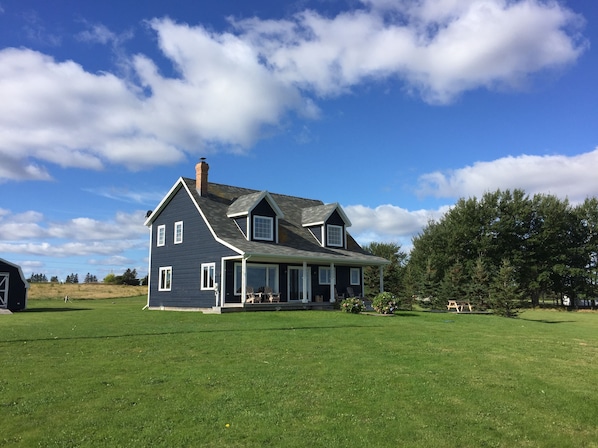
{"x": 282, "y": 306}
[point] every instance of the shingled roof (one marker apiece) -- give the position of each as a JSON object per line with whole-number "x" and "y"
{"x": 295, "y": 241}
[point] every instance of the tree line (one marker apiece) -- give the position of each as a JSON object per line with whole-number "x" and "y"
{"x": 502, "y": 251}
{"x": 129, "y": 277}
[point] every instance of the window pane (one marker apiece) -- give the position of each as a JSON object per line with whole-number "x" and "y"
{"x": 178, "y": 232}
{"x": 262, "y": 228}
{"x": 335, "y": 235}
{"x": 161, "y": 235}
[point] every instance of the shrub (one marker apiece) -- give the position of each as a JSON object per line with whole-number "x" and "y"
{"x": 352, "y": 305}
{"x": 385, "y": 303}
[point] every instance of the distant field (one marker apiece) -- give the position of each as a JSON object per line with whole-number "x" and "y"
{"x": 83, "y": 291}
{"x": 105, "y": 373}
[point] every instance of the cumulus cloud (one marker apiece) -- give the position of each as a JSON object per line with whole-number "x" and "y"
{"x": 229, "y": 88}
{"x": 389, "y": 223}
{"x": 573, "y": 177}
{"x": 31, "y": 233}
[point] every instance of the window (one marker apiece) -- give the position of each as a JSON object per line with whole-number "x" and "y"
{"x": 165, "y": 279}
{"x": 161, "y": 235}
{"x": 258, "y": 277}
{"x": 324, "y": 275}
{"x": 335, "y": 235}
{"x": 208, "y": 275}
{"x": 178, "y": 232}
{"x": 355, "y": 276}
{"x": 263, "y": 228}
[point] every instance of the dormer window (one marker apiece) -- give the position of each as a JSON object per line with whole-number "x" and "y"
{"x": 263, "y": 228}
{"x": 256, "y": 215}
{"x": 334, "y": 235}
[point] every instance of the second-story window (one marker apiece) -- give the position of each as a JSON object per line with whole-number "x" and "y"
{"x": 335, "y": 235}
{"x": 161, "y": 235}
{"x": 263, "y": 228}
{"x": 178, "y": 232}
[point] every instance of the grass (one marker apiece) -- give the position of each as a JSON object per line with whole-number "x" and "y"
{"x": 82, "y": 291}
{"x": 105, "y": 373}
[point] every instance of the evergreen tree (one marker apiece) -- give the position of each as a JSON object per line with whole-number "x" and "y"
{"x": 505, "y": 297}
{"x": 479, "y": 288}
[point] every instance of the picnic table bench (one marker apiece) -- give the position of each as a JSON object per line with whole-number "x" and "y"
{"x": 458, "y": 306}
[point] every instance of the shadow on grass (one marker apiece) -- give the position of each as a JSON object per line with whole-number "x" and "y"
{"x": 169, "y": 333}
{"x": 49, "y": 310}
{"x": 544, "y": 321}
{"x": 406, "y": 314}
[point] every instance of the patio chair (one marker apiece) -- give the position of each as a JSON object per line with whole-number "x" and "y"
{"x": 338, "y": 297}
{"x": 252, "y": 297}
{"x": 350, "y": 292}
{"x": 272, "y": 296}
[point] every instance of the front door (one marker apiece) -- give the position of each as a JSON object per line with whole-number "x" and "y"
{"x": 295, "y": 286}
{"x": 3, "y": 290}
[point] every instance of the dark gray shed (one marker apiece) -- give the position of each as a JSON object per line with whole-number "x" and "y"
{"x": 13, "y": 287}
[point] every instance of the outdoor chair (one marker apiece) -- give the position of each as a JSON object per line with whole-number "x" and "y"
{"x": 338, "y": 297}
{"x": 272, "y": 296}
{"x": 252, "y": 297}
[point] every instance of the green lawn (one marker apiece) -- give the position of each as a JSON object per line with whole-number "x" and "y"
{"x": 105, "y": 373}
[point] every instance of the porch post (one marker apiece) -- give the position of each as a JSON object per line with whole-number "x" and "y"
{"x": 381, "y": 278}
{"x": 304, "y": 294}
{"x": 363, "y": 282}
{"x": 220, "y": 296}
{"x": 332, "y": 283}
{"x": 243, "y": 279}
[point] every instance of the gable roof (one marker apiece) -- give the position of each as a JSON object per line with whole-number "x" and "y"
{"x": 319, "y": 214}
{"x": 18, "y": 268}
{"x": 295, "y": 242}
{"x": 245, "y": 204}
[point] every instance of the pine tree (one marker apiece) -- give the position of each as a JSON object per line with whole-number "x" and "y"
{"x": 505, "y": 298}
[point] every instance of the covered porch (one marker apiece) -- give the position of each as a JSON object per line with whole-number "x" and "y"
{"x": 305, "y": 283}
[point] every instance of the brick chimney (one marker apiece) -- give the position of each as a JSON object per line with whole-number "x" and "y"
{"x": 201, "y": 177}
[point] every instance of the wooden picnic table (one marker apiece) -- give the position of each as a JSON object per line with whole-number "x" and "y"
{"x": 459, "y": 305}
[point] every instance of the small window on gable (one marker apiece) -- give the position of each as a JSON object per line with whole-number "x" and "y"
{"x": 165, "y": 282}
{"x": 334, "y": 235}
{"x": 355, "y": 276}
{"x": 178, "y": 232}
{"x": 263, "y": 228}
{"x": 208, "y": 275}
{"x": 161, "y": 235}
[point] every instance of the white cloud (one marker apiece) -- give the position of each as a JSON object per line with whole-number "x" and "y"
{"x": 564, "y": 176}
{"x": 30, "y": 233}
{"x": 230, "y": 87}
{"x": 389, "y": 223}
{"x": 440, "y": 47}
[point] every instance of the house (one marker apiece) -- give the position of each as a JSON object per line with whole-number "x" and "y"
{"x": 13, "y": 287}
{"x": 213, "y": 246}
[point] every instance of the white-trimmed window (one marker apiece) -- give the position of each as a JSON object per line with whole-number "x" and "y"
{"x": 178, "y": 232}
{"x": 334, "y": 235}
{"x": 161, "y": 239}
{"x": 355, "y": 276}
{"x": 258, "y": 277}
{"x": 208, "y": 275}
{"x": 165, "y": 282}
{"x": 263, "y": 228}
{"x": 324, "y": 275}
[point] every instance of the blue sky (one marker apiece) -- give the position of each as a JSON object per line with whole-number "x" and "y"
{"x": 393, "y": 108}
